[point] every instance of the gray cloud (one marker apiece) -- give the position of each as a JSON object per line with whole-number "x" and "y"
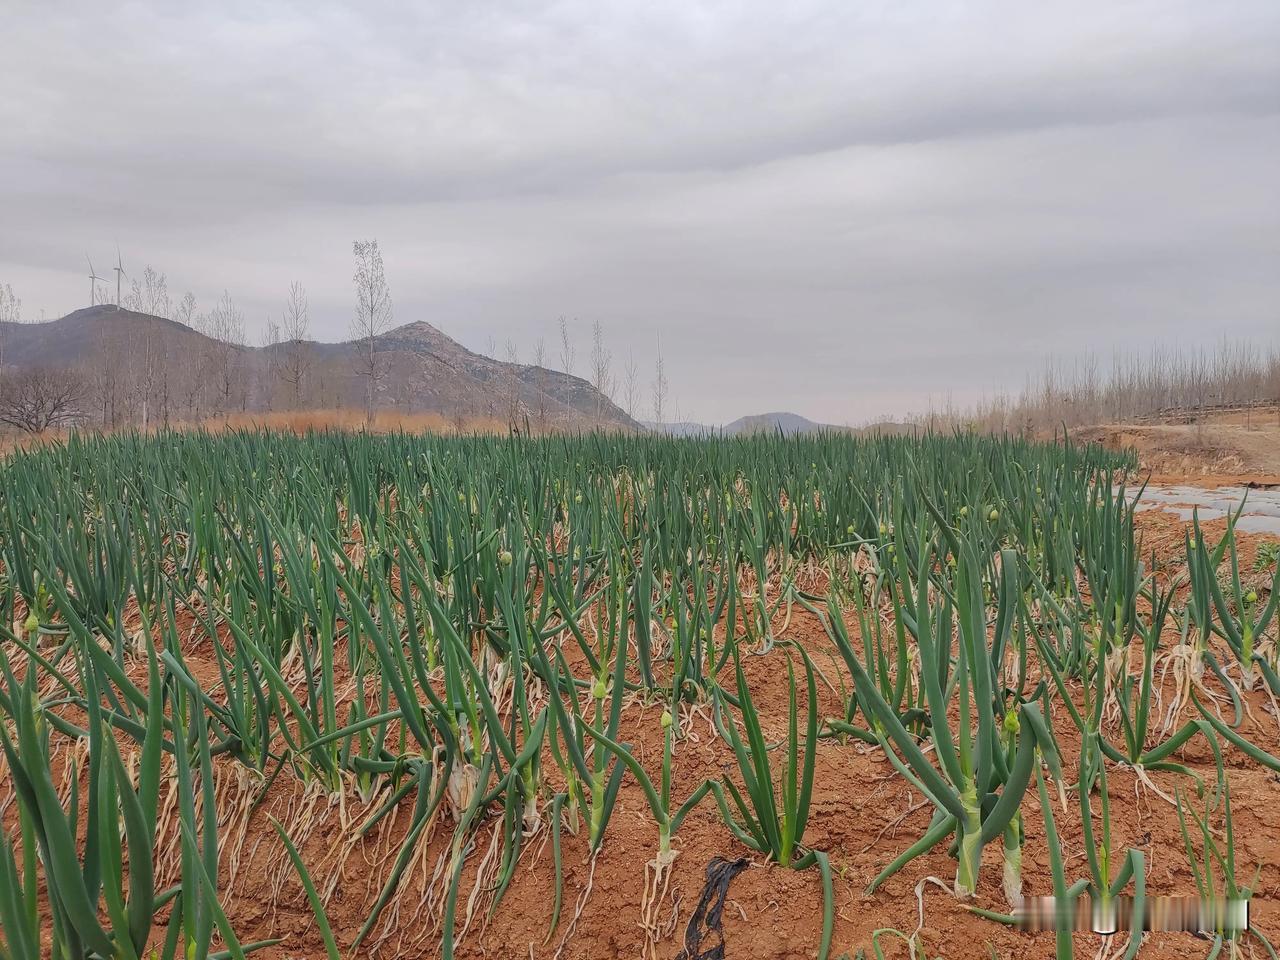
{"x": 818, "y": 206}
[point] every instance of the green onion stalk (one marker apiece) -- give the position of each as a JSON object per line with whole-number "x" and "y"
{"x": 1243, "y": 618}
{"x": 1133, "y": 698}
{"x": 1101, "y": 854}
{"x": 769, "y": 821}
{"x": 1203, "y": 853}
{"x": 979, "y": 780}
{"x": 658, "y": 870}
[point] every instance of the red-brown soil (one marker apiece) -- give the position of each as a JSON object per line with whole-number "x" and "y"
{"x": 863, "y": 814}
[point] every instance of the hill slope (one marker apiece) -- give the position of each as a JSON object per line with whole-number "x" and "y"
{"x": 425, "y": 370}
{"x": 788, "y": 423}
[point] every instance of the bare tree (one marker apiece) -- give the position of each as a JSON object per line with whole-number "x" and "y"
{"x": 270, "y": 368}
{"x": 150, "y": 294}
{"x": 162, "y": 384}
{"x": 108, "y": 376}
{"x": 10, "y": 312}
{"x": 631, "y": 385}
{"x": 1163, "y": 382}
{"x": 146, "y": 360}
{"x": 659, "y": 387}
{"x": 372, "y": 317}
{"x": 566, "y": 364}
{"x": 601, "y": 369}
{"x": 540, "y": 361}
{"x": 225, "y": 324}
{"x": 194, "y": 365}
{"x": 513, "y": 385}
{"x": 490, "y": 396}
{"x": 296, "y": 325}
{"x": 39, "y": 398}
{"x": 186, "y": 312}
{"x": 10, "y": 305}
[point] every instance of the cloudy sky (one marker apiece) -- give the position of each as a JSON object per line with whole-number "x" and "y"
{"x": 843, "y": 209}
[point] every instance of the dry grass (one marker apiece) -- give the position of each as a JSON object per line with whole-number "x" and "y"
{"x": 298, "y": 421}
{"x": 384, "y": 421}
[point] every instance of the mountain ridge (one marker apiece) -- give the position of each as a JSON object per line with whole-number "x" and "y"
{"x": 784, "y": 421}
{"x": 424, "y": 370}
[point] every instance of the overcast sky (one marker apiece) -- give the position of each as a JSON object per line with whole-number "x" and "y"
{"x": 842, "y": 209}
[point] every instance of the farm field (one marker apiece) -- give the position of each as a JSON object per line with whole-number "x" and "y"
{"x": 409, "y": 696}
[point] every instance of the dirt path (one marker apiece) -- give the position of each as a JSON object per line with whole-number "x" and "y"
{"x": 1191, "y": 450}
{"x": 1261, "y": 447}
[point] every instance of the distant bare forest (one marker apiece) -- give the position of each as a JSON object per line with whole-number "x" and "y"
{"x": 1165, "y": 383}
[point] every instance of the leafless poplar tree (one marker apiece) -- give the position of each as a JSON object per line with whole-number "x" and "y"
{"x": 226, "y": 326}
{"x": 296, "y": 326}
{"x": 193, "y": 365}
{"x": 10, "y": 312}
{"x": 372, "y": 316}
{"x": 269, "y": 371}
{"x": 10, "y": 305}
{"x": 540, "y": 361}
{"x": 107, "y": 376}
{"x": 186, "y": 312}
{"x": 1163, "y": 382}
{"x": 491, "y": 395}
{"x": 566, "y": 364}
{"x": 631, "y": 385}
{"x": 149, "y": 296}
{"x": 659, "y": 387}
{"x": 513, "y": 385}
{"x": 601, "y": 369}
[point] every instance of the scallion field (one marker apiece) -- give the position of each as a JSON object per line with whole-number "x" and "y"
{"x": 351, "y": 695}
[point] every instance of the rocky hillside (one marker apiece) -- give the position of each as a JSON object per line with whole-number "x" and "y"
{"x": 424, "y": 370}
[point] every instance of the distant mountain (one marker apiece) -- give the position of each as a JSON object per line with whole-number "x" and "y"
{"x": 683, "y": 428}
{"x": 425, "y": 371}
{"x": 787, "y": 423}
{"x": 79, "y": 336}
{"x": 888, "y": 428}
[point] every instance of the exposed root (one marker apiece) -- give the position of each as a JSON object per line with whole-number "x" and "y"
{"x": 894, "y": 823}
{"x": 1144, "y": 780}
{"x": 483, "y": 890}
{"x": 577, "y": 910}
{"x": 235, "y": 789}
{"x": 687, "y": 714}
{"x": 937, "y": 882}
{"x": 657, "y": 880}
{"x": 1186, "y": 662}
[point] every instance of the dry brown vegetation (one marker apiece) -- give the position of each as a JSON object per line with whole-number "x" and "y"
{"x": 1165, "y": 385}
{"x": 384, "y": 421}
{"x": 300, "y": 422}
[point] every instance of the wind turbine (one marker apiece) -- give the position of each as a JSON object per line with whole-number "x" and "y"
{"x": 93, "y": 282}
{"x": 119, "y": 269}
